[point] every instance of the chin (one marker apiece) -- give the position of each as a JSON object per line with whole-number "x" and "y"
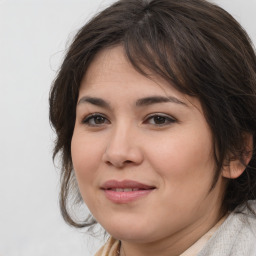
{"x": 131, "y": 236}
{"x": 130, "y": 231}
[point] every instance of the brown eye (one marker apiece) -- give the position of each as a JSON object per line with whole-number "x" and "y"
{"x": 95, "y": 120}
{"x": 160, "y": 120}
{"x": 99, "y": 120}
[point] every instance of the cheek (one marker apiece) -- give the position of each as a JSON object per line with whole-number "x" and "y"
{"x": 186, "y": 157}
{"x": 186, "y": 166}
{"x": 86, "y": 156}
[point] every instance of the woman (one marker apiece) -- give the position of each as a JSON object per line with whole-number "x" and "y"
{"x": 154, "y": 110}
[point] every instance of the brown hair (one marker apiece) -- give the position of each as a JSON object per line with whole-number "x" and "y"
{"x": 195, "y": 45}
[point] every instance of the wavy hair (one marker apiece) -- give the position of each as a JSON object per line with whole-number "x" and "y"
{"x": 195, "y": 45}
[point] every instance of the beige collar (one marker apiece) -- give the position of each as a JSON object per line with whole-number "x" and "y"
{"x": 112, "y": 246}
{"x": 199, "y": 244}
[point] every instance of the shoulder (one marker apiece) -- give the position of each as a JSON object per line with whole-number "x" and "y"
{"x": 236, "y": 236}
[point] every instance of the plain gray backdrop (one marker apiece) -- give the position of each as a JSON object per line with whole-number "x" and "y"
{"x": 34, "y": 35}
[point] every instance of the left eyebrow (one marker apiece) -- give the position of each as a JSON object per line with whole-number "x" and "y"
{"x": 158, "y": 99}
{"x": 94, "y": 101}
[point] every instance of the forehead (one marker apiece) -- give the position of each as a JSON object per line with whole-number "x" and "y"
{"x": 110, "y": 63}
{"x": 110, "y": 70}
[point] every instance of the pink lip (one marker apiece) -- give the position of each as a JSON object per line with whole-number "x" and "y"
{"x": 122, "y": 197}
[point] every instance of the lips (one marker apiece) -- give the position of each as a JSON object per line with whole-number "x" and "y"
{"x": 125, "y": 191}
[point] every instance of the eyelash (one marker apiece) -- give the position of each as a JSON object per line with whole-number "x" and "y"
{"x": 92, "y": 117}
{"x": 167, "y": 119}
{"x": 161, "y": 117}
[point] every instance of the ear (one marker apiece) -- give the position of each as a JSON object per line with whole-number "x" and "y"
{"x": 237, "y": 165}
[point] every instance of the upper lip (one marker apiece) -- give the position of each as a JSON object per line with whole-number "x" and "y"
{"x": 114, "y": 184}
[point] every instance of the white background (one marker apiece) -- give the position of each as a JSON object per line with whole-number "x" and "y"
{"x": 33, "y": 37}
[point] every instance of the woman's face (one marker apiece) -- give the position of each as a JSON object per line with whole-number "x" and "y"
{"x": 143, "y": 155}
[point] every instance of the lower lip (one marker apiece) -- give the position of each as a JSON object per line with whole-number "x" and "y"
{"x": 126, "y": 197}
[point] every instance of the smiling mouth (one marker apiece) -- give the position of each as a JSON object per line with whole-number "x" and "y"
{"x": 122, "y": 192}
{"x": 126, "y": 189}
{"x": 125, "y": 186}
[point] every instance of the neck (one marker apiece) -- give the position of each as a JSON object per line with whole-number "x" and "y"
{"x": 170, "y": 246}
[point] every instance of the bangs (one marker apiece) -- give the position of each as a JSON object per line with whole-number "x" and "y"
{"x": 180, "y": 51}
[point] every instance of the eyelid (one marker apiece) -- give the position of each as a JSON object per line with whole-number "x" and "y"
{"x": 170, "y": 119}
{"x": 85, "y": 120}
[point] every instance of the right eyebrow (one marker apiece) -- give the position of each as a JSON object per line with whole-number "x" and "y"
{"x": 94, "y": 101}
{"x": 159, "y": 99}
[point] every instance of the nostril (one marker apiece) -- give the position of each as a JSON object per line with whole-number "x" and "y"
{"x": 119, "y": 164}
{"x": 108, "y": 163}
{"x": 127, "y": 161}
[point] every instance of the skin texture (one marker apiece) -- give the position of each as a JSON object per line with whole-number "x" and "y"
{"x": 173, "y": 153}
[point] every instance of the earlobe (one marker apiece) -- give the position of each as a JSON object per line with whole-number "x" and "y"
{"x": 236, "y": 166}
{"x": 234, "y": 169}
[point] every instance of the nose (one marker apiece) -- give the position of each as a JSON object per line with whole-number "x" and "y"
{"x": 123, "y": 148}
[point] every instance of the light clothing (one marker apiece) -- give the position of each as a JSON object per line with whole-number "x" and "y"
{"x": 236, "y": 236}
{"x": 111, "y": 248}
{"x": 199, "y": 244}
